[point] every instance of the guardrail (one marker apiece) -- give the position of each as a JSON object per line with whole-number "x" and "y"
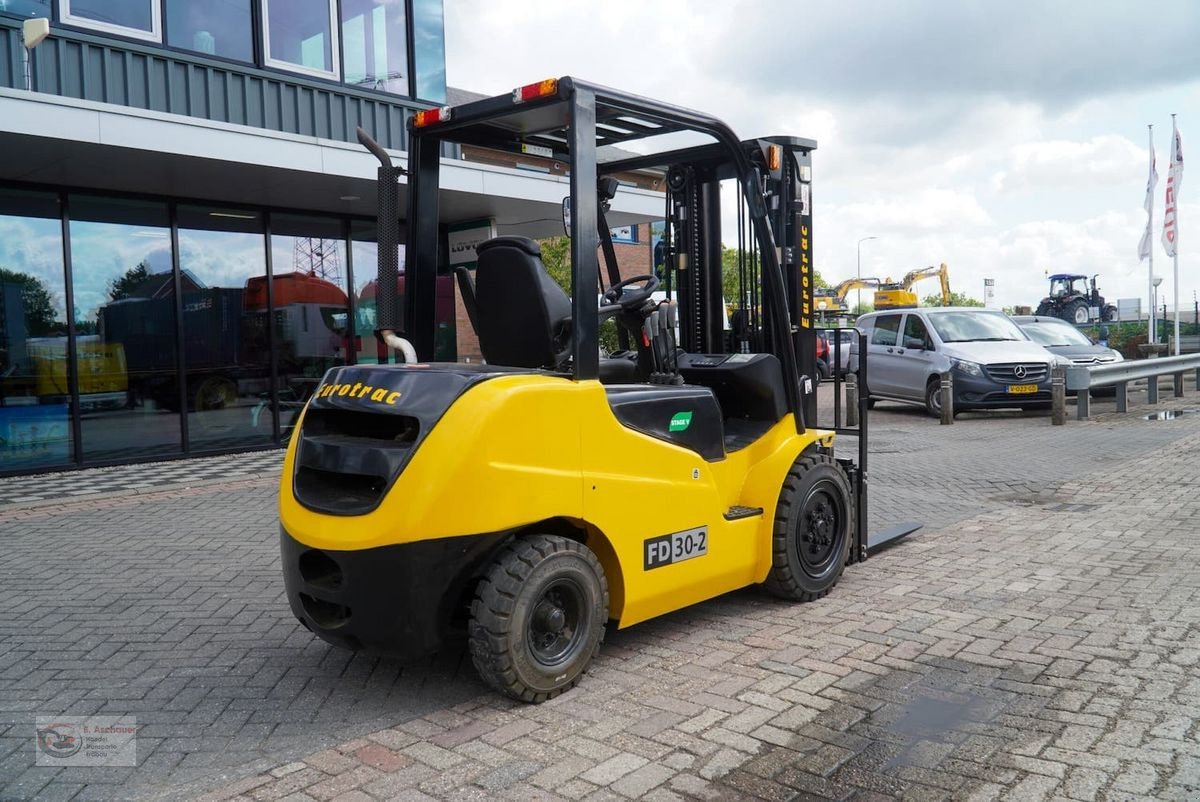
{"x": 1083, "y": 379}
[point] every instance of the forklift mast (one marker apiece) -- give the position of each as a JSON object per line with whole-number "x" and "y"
{"x": 774, "y": 312}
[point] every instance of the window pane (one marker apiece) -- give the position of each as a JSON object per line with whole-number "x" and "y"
{"x": 135, "y": 14}
{"x": 217, "y": 27}
{"x": 35, "y": 422}
{"x": 429, "y": 43}
{"x": 311, "y": 312}
{"x": 374, "y": 44}
{"x": 298, "y": 34}
{"x": 227, "y": 363}
{"x": 125, "y": 322}
{"x": 886, "y": 328}
{"x": 25, "y": 8}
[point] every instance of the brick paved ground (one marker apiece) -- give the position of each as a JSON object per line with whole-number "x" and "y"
{"x": 1027, "y": 644}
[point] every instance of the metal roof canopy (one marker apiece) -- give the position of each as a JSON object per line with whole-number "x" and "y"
{"x": 574, "y": 121}
{"x": 501, "y": 123}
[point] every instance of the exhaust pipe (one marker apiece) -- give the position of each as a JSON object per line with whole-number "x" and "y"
{"x": 387, "y": 235}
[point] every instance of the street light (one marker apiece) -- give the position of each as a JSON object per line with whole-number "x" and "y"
{"x": 858, "y": 262}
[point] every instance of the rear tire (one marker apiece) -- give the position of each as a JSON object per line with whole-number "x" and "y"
{"x": 813, "y": 524}
{"x": 538, "y": 617}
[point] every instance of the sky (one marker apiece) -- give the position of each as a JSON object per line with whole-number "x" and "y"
{"x": 1008, "y": 140}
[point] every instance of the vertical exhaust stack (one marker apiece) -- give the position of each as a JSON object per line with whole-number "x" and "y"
{"x": 387, "y": 236}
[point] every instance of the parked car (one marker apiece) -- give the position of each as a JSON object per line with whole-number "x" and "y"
{"x": 1068, "y": 344}
{"x": 993, "y": 363}
{"x": 826, "y": 352}
{"x": 1064, "y": 340}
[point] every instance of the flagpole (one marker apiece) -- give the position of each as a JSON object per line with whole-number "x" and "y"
{"x": 1174, "y": 134}
{"x": 1151, "y": 334}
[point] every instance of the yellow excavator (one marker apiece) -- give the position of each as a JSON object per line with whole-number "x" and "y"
{"x": 900, "y": 294}
{"x": 834, "y": 299}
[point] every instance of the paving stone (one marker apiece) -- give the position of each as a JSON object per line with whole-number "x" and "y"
{"x": 1000, "y": 652}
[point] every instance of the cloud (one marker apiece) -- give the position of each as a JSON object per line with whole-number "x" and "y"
{"x": 920, "y": 209}
{"x": 1048, "y": 51}
{"x": 1072, "y": 165}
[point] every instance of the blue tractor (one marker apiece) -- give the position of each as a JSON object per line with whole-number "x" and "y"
{"x": 1072, "y": 298}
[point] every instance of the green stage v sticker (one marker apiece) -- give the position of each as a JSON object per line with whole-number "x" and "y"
{"x": 680, "y": 421}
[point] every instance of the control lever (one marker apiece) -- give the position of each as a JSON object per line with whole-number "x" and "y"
{"x": 672, "y": 323}
{"x": 667, "y": 331}
{"x": 648, "y": 336}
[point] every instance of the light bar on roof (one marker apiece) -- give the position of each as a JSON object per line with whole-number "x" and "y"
{"x": 524, "y": 94}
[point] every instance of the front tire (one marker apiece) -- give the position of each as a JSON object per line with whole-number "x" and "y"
{"x": 1078, "y": 312}
{"x": 933, "y": 397}
{"x": 813, "y": 524}
{"x": 538, "y": 617}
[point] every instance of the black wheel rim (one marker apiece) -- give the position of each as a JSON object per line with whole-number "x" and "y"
{"x": 556, "y": 623}
{"x": 935, "y": 398}
{"x": 822, "y": 519}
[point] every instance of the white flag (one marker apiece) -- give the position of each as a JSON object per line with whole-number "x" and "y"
{"x": 1148, "y": 204}
{"x": 1170, "y": 235}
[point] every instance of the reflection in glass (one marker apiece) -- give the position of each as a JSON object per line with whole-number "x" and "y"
{"x": 374, "y": 44}
{"x": 311, "y": 312}
{"x": 125, "y": 326}
{"x": 299, "y": 35}
{"x": 429, "y": 49}
{"x": 226, "y": 358}
{"x": 130, "y": 17}
{"x": 25, "y": 8}
{"x": 35, "y": 423}
{"x": 216, "y": 27}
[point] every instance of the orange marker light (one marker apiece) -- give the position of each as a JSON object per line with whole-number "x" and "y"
{"x": 534, "y": 91}
{"x": 774, "y": 157}
{"x": 431, "y": 116}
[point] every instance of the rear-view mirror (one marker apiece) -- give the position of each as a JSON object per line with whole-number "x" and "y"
{"x": 566, "y": 215}
{"x": 915, "y": 343}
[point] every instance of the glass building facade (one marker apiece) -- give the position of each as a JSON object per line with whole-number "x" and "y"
{"x": 392, "y": 46}
{"x": 136, "y": 328}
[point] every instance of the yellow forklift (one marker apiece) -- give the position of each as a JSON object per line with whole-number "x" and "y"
{"x": 552, "y": 490}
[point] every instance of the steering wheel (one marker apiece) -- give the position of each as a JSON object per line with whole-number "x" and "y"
{"x": 629, "y": 301}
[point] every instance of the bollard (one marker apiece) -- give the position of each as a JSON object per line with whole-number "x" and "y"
{"x": 1152, "y": 390}
{"x": 851, "y": 400}
{"x": 1058, "y": 395}
{"x": 1083, "y": 404}
{"x": 1123, "y": 397}
{"x": 946, "y": 388}
{"x": 1179, "y": 385}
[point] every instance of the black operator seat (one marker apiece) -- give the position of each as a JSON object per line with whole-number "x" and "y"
{"x": 522, "y": 317}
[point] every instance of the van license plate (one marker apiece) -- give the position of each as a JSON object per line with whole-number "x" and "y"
{"x": 1022, "y": 388}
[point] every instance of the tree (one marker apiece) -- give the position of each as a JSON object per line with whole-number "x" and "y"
{"x": 862, "y": 309}
{"x": 956, "y": 299}
{"x": 731, "y": 280}
{"x": 124, "y": 286}
{"x": 36, "y": 300}
{"x": 556, "y": 256}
